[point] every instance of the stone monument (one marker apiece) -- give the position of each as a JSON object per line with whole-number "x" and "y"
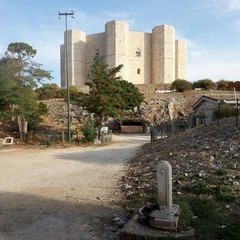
{"x": 164, "y": 214}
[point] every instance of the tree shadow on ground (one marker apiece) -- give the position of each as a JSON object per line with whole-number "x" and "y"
{"x": 27, "y": 217}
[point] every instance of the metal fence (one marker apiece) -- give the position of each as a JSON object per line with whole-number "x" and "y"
{"x": 52, "y": 137}
{"x": 43, "y": 137}
{"x": 167, "y": 129}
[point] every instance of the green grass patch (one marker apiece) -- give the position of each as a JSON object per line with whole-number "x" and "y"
{"x": 211, "y": 186}
{"x": 185, "y": 215}
{"x": 211, "y": 219}
{"x": 230, "y": 232}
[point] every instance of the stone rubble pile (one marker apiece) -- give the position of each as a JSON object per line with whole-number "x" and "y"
{"x": 58, "y": 113}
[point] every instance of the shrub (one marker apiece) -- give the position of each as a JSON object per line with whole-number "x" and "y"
{"x": 89, "y": 131}
{"x": 181, "y": 85}
{"x": 222, "y": 85}
{"x": 224, "y": 110}
{"x": 205, "y": 84}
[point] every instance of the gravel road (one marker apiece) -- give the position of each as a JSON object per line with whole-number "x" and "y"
{"x": 68, "y": 193}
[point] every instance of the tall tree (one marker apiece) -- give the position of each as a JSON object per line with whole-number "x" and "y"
{"x": 109, "y": 94}
{"x": 19, "y": 77}
{"x": 29, "y": 72}
{"x": 7, "y": 90}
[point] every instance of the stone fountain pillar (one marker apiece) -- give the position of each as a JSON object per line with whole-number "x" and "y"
{"x": 164, "y": 214}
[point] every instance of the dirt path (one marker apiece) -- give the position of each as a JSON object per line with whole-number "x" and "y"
{"x": 62, "y": 193}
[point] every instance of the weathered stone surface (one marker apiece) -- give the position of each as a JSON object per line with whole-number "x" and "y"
{"x": 135, "y": 230}
{"x": 164, "y": 184}
{"x": 165, "y": 218}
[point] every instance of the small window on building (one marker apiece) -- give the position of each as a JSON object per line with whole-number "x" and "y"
{"x": 139, "y": 71}
{"x": 97, "y": 52}
{"x": 138, "y": 53}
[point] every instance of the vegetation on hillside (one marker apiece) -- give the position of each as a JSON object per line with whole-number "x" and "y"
{"x": 181, "y": 85}
{"x": 52, "y": 90}
{"x": 206, "y": 84}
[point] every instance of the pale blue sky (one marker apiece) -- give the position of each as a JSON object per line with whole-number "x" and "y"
{"x": 211, "y": 28}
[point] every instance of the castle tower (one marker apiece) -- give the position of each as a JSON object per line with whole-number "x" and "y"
{"x": 181, "y": 59}
{"x": 116, "y": 46}
{"x": 76, "y": 57}
{"x": 163, "y": 54}
{"x": 147, "y": 58}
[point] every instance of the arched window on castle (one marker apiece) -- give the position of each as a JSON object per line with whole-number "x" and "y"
{"x": 139, "y": 71}
{"x": 138, "y": 53}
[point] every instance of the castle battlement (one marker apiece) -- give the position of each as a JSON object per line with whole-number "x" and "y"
{"x": 147, "y": 58}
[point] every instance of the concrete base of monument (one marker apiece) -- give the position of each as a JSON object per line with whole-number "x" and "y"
{"x": 135, "y": 230}
{"x": 162, "y": 217}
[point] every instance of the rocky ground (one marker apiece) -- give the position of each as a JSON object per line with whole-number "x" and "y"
{"x": 205, "y": 163}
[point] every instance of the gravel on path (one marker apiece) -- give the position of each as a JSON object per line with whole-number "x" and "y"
{"x": 68, "y": 193}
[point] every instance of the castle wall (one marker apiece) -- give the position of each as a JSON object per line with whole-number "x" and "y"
{"x": 147, "y": 58}
{"x": 181, "y": 59}
{"x": 163, "y": 54}
{"x": 117, "y": 45}
{"x": 95, "y": 45}
{"x": 140, "y": 52}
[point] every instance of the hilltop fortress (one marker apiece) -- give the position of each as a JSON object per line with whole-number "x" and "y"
{"x": 147, "y": 58}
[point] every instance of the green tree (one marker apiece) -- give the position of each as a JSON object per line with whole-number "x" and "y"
{"x": 47, "y": 91}
{"x": 181, "y": 85}
{"x": 20, "y": 75}
{"x": 7, "y": 96}
{"x": 224, "y": 110}
{"x": 29, "y": 73}
{"x": 206, "y": 84}
{"x": 89, "y": 131}
{"x": 223, "y": 85}
{"x": 109, "y": 95}
{"x": 62, "y": 93}
{"x": 129, "y": 95}
{"x": 28, "y": 108}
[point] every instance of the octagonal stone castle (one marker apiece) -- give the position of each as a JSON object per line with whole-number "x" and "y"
{"x": 147, "y": 58}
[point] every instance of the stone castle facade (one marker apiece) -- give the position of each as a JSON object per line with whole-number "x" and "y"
{"x": 147, "y": 58}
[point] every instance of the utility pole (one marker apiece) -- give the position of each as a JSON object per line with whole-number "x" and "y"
{"x": 237, "y": 113}
{"x": 66, "y": 14}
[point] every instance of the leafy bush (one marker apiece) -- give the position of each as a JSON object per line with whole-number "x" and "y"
{"x": 221, "y": 172}
{"x": 222, "y": 85}
{"x": 89, "y": 131}
{"x": 224, "y": 110}
{"x": 181, "y": 85}
{"x": 205, "y": 84}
